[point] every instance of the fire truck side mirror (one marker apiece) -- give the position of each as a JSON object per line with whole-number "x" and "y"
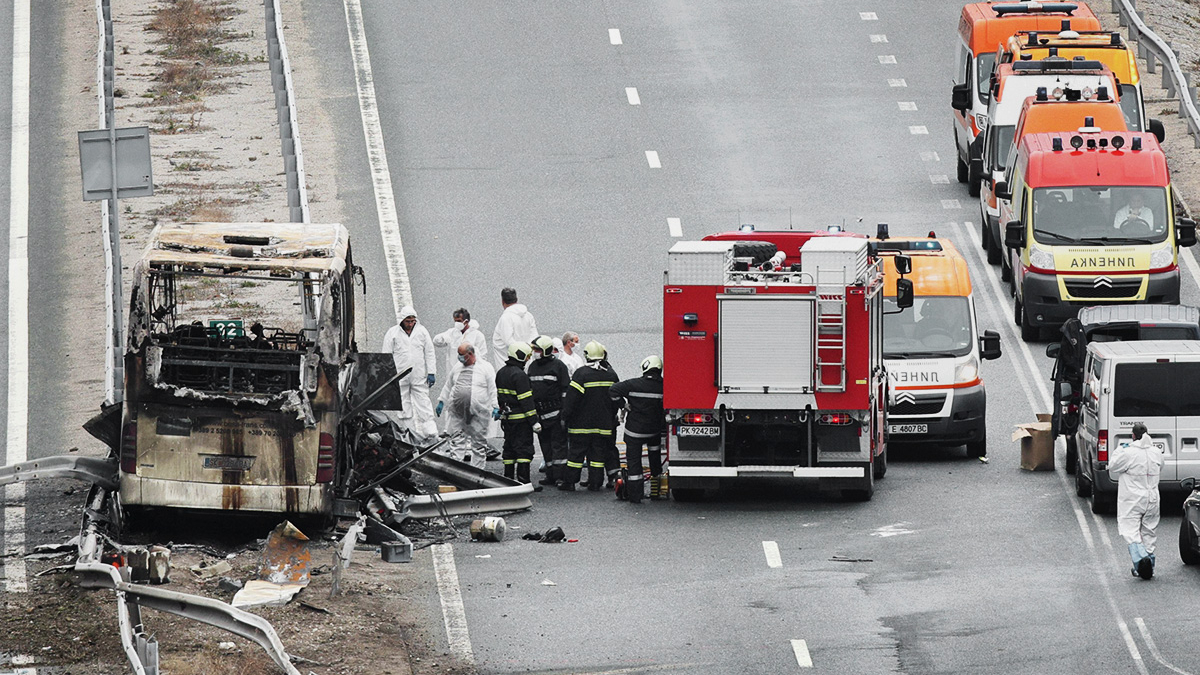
{"x": 989, "y": 345}
{"x": 903, "y": 265}
{"x": 904, "y": 293}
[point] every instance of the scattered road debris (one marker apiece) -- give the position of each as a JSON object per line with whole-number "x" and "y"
{"x": 208, "y": 570}
{"x": 491, "y": 528}
{"x": 839, "y": 558}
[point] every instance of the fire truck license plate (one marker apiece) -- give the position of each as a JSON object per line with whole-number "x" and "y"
{"x": 699, "y": 431}
{"x": 908, "y": 428}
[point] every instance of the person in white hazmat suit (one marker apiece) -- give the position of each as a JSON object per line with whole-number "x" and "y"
{"x": 411, "y": 347}
{"x": 516, "y": 324}
{"x": 1138, "y": 465}
{"x": 469, "y": 401}
{"x": 465, "y": 329}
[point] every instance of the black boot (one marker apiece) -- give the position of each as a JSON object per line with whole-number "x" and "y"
{"x": 633, "y": 490}
{"x": 595, "y": 479}
{"x": 569, "y": 478}
{"x": 509, "y": 470}
{"x": 551, "y": 475}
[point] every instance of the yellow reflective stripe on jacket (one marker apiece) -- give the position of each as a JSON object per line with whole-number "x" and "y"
{"x": 577, "y": 386}
{"x": 602, "y": 432}
{"x": 601, "y": 383}
{"x": 523, "y": 396}
{"x": 510, "y": 392}
{"x": 520, "y": 415}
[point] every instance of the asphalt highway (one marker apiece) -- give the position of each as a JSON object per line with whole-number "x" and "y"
{"x": 520, "y": 156}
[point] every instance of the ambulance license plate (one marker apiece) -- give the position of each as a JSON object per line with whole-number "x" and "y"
{"x": 699, "y": 431}
{"x": 908, "y": 428}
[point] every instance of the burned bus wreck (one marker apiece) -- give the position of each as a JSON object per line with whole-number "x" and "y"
{"x": 241, "y": 347}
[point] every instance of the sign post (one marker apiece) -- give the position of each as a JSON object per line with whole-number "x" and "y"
{"x": 115, "y": 163}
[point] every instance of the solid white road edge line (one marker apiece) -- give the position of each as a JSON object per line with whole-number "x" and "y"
{"x": 614, "y": 36}
{"x": 800, "y": 649}
{"x": 1153, "y": 647}
{"x": 652, "y": 159}
{"x": 675, "y": 227}
{"x": 994, "y": 299}
{"x": 16, "y": 449}
{"x": 443, "y": 561}
{"x": 381, "y": 177}
{"x": 771, "y": 549}
{"x": 452, "y": 604}
{"x": 632, "y": 95}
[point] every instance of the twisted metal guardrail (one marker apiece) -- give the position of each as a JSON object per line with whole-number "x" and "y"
{"x": 105, "y": 84}
{"x": 285, "y": 106}
{"x": 1154, "y": 49}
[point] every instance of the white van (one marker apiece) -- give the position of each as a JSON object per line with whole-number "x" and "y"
{"x": 1155, "y": 382}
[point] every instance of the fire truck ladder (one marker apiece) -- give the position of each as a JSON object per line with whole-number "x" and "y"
{"x": 831, "y": 328}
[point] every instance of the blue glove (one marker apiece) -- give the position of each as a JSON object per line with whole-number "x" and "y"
{"x": 430, "y": 379}
{"x": 441, "y": 404}
{"x": 495, "y": 413}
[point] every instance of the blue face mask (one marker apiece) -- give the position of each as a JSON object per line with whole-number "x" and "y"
{"x": 462, "y": 358}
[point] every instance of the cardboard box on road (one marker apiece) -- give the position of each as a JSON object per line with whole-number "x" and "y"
{"x": 1037, "y": 444}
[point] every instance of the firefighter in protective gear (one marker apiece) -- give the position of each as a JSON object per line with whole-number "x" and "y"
{"x": 645, "y": 425}
{"x": 411, "y": 347}
{"x": 550, "y": 380}
{"x": 591, "y": 419}
{"x": 1138, "y": 465}
{"x": 518, "y": 417}
{"x": 468, "y": 399}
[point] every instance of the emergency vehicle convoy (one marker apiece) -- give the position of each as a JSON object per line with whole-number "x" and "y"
{"x": 934, "y": 351}
{"x": 783, "y": 336}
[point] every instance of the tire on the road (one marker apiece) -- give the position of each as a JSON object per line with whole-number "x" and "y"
{"x": 978, "y": 447}
{"x": 880, "y": 465}
{"x": 758, "y": 251}
{"x": 1083, "y": 487}
{"x": 1187, "y": 545}
{"x": 1072, "y": 463}
{"x": 1103, "y": 502}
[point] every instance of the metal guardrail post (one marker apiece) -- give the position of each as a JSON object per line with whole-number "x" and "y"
{"x": 1175, "y": 81}
{"x": 285, "y": 107}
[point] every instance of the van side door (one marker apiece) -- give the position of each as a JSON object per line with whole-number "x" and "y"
{"x": 1186, "y": 392}
{"x": 1088, "y": 412}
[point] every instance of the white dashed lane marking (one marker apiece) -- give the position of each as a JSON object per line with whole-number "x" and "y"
{"x": 675, "y": 227}
{"x": 951, "y": 204}
{"x": 771, "y": 550}
{"x": 652, "y": 159}
{"x": 907, "y": 106}
{"x": 614, "y": 36}
{"x": 887, "y": 59}
{"x": 803, "y": 658}
{"x": 930, "y": 157}
{"x": 897, "y": 82}
{"x": 878, "y": 38}
{"x": 632, "y": 95}
{"x": 918, "y": 130}
{"x": 939, "y": 180}
{"x": 868, "y": 16}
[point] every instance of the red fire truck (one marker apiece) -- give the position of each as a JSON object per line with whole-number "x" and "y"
{"x": 773, "y": 346}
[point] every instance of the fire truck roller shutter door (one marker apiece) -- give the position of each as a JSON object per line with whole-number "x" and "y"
{"x": 750, "y": 357}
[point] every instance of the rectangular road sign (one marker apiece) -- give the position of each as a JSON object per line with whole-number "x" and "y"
{"x": 133, "y": 163}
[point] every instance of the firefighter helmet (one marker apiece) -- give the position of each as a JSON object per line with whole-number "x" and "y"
{"x": 594, "y": 351}
{"x": 519, "y": 351}
{"x": 544, "y": 343}
{"x": 651, "y": 363}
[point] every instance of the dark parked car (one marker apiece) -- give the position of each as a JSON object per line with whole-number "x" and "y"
{"x": 1189, "y": 527}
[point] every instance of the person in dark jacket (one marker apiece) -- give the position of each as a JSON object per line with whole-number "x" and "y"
{"x": 518, "y": 417}
{"x": 644, "y": 425}
{"x": 550, "y": 380}
{"x": 591, "y": 419}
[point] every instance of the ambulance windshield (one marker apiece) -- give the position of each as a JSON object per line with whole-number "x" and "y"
{"x": 1099, "y": 216}
{"x": 935, "y": 326}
